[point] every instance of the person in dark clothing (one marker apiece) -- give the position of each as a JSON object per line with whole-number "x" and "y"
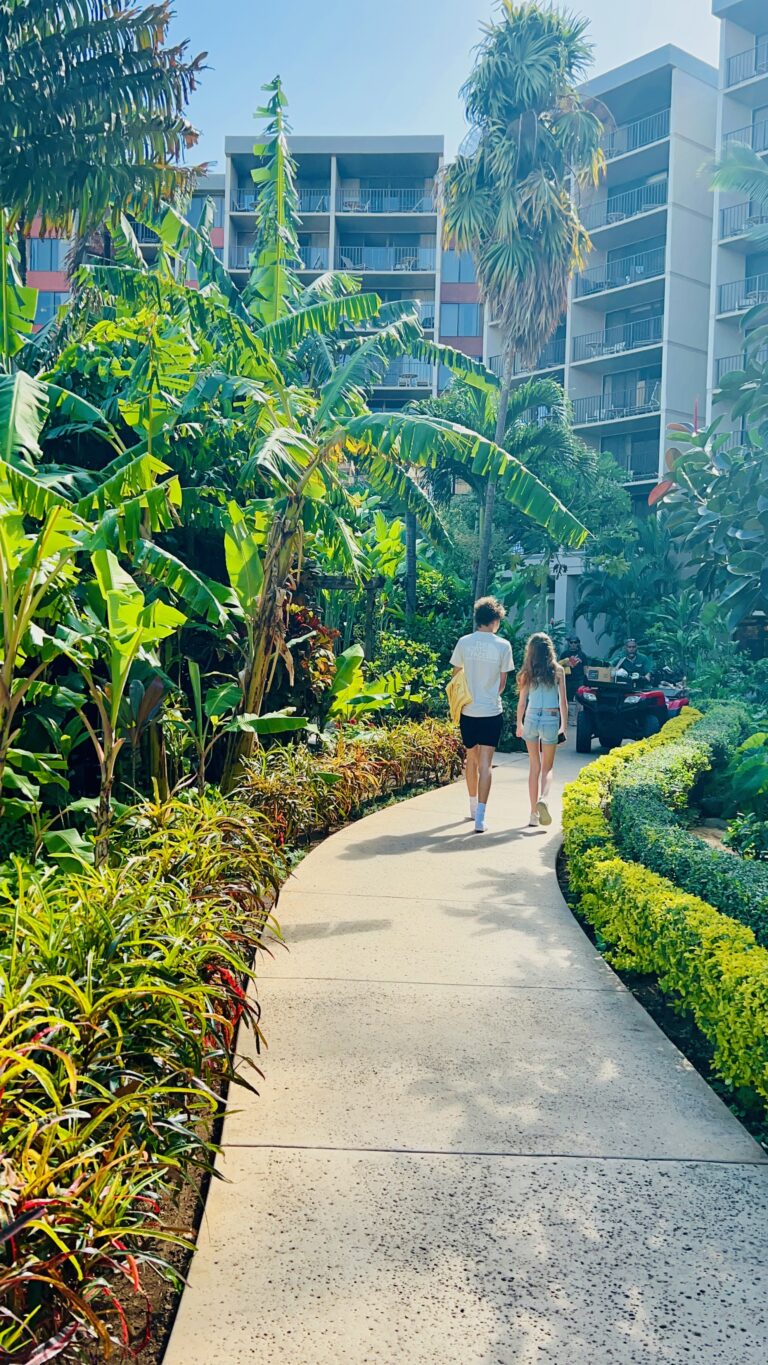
{"x": 573, "y": 663}
{"x": 632, "y": 661}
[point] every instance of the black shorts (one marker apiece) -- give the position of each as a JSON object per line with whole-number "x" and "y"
{"x": 481, "y": 730}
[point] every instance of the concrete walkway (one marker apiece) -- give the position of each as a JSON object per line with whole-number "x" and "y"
{"x": 472, "y": 1144}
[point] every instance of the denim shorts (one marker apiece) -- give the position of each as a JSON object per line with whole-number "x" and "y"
{"x": 541, "y": 725}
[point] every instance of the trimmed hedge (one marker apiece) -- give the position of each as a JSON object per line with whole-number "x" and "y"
{"x": 710, "y": 964}
{"x": 647, "y": 830}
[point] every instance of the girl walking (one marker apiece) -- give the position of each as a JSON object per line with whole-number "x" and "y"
{"x": 542, "y": 715}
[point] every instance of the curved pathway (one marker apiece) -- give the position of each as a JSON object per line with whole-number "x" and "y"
{"x": 472, "y": 1144}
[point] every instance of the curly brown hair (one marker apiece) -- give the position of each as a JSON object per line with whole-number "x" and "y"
{"x": 540, "y": 662}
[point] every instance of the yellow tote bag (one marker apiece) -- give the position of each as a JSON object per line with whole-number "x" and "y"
{"x": 459, "y": 694}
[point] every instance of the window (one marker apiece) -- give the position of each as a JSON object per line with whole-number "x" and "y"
{"x": 458, "y": 268}
{"x": 461, "y": 320}
{"x": 46, "y": 253}
{"x": 47, "y": 303}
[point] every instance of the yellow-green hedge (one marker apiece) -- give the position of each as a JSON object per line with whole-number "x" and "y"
{"x": 706, "y": 961}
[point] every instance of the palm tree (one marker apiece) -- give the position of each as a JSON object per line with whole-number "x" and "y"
{"x": 508, "y": 195}
{"x": 91, "y": 110}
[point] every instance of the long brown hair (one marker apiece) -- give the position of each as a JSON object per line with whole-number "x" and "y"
{"x": 540, "y": 662}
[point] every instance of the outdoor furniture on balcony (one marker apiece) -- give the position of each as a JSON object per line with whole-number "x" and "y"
{"x": 406, "y": 373}
{"x": 629, "y": 336}
{"x": 313, "y": 257}
{"x": 740, "y": 219}
{"x": 646, "y": 399}
{"x": 385, "y": 199}
{"x": 744, "y": 66}
{"x": 627, "y": 137}
{"x": 550, "y": 357}
{"x": 739, "y": 295}
{"x": 314, "y": 198}
{"x": 402, "y": 259}
{"x": 619, "y": 207}
{"x": 645, "y": 265}
{"x": 244, "y": 201}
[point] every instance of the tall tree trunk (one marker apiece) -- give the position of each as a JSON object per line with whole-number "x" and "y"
{"x": 410, "y": 567}
{"x": 486, "y": 534}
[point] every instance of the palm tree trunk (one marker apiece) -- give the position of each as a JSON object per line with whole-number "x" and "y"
{"x": 486, "y": 534}
{"x": 410, "y": 567}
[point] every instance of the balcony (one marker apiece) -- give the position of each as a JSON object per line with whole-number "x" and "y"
{"x": 739, "y": 295}
{"x": 240, "y": 257}
{"x": 313, "y": 257}
{"x": 726, "y": 364}
{"x": 744, "y": 66}
{"x": 385, "y": 199}
{"x": 550, "y": 357}
{"x": 312, "y": 199}
{"x": 644, "y": 266}
{"x": 628, "y": 137}
{"x": 402, "y": 259}
{"x": 615, "y": 340}
{"x": 405, "y": 373}
{"x": 754, "y": 135}
{"x": 630, "y": 204}
{"x": 741, "y": 219}
{"x": 146, "y": 235}
{"x": 645, "y": 399}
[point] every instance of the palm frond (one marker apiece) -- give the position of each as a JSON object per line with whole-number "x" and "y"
{"x": 200, "y": 596}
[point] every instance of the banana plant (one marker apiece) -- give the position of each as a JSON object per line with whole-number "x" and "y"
{"x": 131, "y": 628}
{"x": 217, "y": 715}
{"x": 38, "y": 569}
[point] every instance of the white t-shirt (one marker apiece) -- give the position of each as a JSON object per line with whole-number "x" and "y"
{"x": 484, "y": 657}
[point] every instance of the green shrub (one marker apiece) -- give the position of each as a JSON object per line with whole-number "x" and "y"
{"x": 710, "y": 965}
{"x": 748, "y": 835}
{"x": 122, "y": 992}
{"x": 646, "y": 799}
{"x": 422, "y": 670}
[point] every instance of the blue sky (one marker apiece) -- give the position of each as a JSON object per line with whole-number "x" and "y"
{"x": 384, "y": 66}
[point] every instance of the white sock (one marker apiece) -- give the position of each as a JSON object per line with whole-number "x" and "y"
{"x": 480, "y": 816}
{"x": 473, "y": 806}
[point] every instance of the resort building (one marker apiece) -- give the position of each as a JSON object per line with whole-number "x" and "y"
{"x": 369, "y": 206}
{"x": 631, "y": 350}
{"x": 739, "y": 267}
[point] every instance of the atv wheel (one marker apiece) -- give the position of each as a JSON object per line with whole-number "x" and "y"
{"x": 651, "y": 726}
{"x": 583, "y": 734}
{"x": 608, "y": 742}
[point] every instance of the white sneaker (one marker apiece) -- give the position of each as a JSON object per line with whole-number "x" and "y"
{"x": 542, "y": 810}
{"x": 534, "y": 820}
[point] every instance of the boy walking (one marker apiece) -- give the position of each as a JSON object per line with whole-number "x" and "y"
{"x": 487, "y": 662}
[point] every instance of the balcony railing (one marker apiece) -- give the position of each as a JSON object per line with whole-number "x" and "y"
{"x": 726, "y": 364}
{"x": 144, "y": 234}
{"x": 549, "y": 358}
{"x": 755, "y": 135}
{"x": 640, "y": 468}
{"x": 314, "y": 257}
{"x": 741, "y": 218}
{"x": 382, "y": 258}
{"x": 385, "y": 199}
{"x": 240, "y": 257}
{"x": 629, "y": 337}
{"x": 646, "y": 398}
{"x": 641, "y": 133}
{"x": 744, "y": 66}
{"x": 627, "y": 205}
{"x": 312, "y": 199}
{"x": 644, "y": 266}
{"x": 405, "y": 373}
{"x": 739, "y": 295}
